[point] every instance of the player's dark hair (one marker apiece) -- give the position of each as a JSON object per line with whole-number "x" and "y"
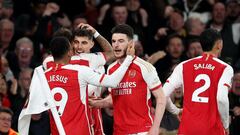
{"x": 83, "y": 32}
{"x": 123, "y": 29}
{"x": 208, "y": 38}
{"x": 65, "y": 32}
{"x": 59, "y": 46}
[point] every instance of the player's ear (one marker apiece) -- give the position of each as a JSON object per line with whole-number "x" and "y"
{"x": 70, "y": 53}
{"x": 219, "y": 44}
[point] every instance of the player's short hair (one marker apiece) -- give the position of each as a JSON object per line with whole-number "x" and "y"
{"x": 65, "y": 32}
{"x": 208, "y": 39}
{"x": 123, "y": 29}
{"x": 83, "y": 32}
{"x": 59, "y": 46}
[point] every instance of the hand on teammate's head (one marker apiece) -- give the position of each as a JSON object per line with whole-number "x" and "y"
{"x": 87, "y": 26}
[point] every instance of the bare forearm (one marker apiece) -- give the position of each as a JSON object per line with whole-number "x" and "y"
{"x": 160, "y": 108}
{"x": 171, "y": 107}
{"x": 106, "y": 46}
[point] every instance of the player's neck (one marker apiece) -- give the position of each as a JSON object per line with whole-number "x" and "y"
{"x": 120, "y": 60}
{"x": 213, "y": 53}
{"x": 64, "y": 61}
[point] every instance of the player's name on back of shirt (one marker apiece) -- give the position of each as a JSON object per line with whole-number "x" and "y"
{"x": 204, "y": 66}
{"x": 58, "y": 78}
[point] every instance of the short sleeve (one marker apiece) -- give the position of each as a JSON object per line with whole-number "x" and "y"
{"x": 151, "y": 77}
{"x": 48, "y": 62}
{"x": 174, "y": 81}
{"x": 95, "y": 59}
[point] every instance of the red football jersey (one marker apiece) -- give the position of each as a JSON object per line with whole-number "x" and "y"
{"x": 68, "y": 84}
{"x": 202, "y": 79}
{"x": 96, "y": 61}
{"x": 70, "y": 100}
{"x": 131, "y": 99}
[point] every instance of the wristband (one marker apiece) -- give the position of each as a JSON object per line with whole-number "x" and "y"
{"x": 96, "y": 34}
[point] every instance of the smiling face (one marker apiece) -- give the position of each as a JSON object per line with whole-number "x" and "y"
{"x": 119, "y": 44}
{"x": 25, "y": 52}
{"x": 82, "y": 44}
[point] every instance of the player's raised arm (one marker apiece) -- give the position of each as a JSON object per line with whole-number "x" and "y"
{"x": 105, "y": 45}
{"x": 111, "y": 80}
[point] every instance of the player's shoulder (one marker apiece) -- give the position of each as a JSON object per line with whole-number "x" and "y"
{"x": 112, "y": 65}
{"x": 192, "y": 59}
{"x": 74, "y": 67}
{"x": 90, "y": 55}
{"x": 228, "y": 68}
{"x": 49, "y": 58}
{"x": 143, "y": 64}
{"x": 188, "y": 62}
{"x": 222, "y": 62}
{"x": 76, "y": 57}
{"x": 46, "y": 61}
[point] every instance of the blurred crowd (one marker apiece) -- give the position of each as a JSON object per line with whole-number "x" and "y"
{"x": 166, "y": 33}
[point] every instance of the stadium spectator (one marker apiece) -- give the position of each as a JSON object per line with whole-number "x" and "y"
{"x": 174, "y": 54}
{"x": 234, "y": 97}
{"x": 5, "y": 122}
{"x": 22, "y": 57}
{"x": 6, "y": 35}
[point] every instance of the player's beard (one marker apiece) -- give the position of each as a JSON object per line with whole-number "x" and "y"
{"x": 123, "y": 54}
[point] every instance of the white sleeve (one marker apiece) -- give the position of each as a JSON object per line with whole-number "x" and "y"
{"x": 171, "y": 107}
{"x": 47, "y": 61}
{"x": 174, "y": 81}
{"x": 224, "y": 85}
{"x": 97, "y": 59}
{"x": 101, "y": 58}
{"x": 112, "y": 80}
{"x": 151, "y": 77}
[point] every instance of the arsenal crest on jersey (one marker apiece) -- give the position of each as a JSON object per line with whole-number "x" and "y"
{"x": 132, "y": 73}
